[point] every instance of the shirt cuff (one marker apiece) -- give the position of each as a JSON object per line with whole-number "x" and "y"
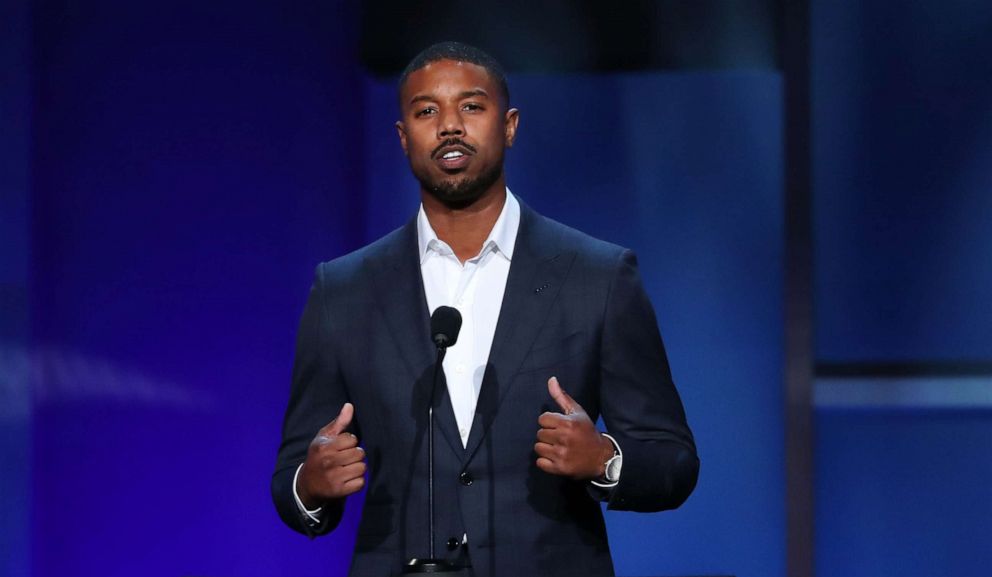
{"x": 313, "y": 514}
{"x": 617, "y": 453}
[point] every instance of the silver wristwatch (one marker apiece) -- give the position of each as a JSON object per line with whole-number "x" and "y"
{"x": 612, "y": 469}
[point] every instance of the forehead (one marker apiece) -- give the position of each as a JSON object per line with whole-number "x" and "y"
{"x": 447, "y": 78}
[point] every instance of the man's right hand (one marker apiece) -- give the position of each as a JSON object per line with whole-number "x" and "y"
{"x": 335, "y": 466}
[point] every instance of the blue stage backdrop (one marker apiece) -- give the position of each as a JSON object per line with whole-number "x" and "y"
{"x": 902, "y": 126}
{"x": 15, "y": 414}
{"x": 192, "y": 163}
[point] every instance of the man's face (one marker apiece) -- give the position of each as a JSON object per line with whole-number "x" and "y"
{"x": 454, "y": 131}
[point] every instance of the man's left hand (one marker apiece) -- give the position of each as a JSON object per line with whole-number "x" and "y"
{"x": 568, "y": 443}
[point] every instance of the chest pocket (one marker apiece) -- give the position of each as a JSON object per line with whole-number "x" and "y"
{"x": 546, "y": 355}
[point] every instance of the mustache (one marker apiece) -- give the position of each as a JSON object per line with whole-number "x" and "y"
{"x": 453, "y": 142}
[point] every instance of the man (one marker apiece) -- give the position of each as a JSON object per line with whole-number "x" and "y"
{"x": 557, "y": 331}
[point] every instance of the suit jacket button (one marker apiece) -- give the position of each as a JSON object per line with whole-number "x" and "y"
{"x": 465, "y": 478}
{"x": 453, "y": 543}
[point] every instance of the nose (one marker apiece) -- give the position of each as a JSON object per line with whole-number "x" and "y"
{"x": 451, "y": 125}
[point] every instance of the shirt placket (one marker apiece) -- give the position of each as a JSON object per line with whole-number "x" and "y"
{"x": 460, "y": 362}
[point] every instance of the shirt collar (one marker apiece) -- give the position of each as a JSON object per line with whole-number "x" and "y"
{"x": 503, "y": 236}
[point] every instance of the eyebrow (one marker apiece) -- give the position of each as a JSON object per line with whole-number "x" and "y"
{"x": 461, "y": 96}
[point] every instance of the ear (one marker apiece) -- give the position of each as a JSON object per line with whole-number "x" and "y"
{"x": 401, "y": 131}
{"x": 511, "y": 121}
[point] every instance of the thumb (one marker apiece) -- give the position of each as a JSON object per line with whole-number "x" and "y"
{"x": 341, "y": 422}
{"x": 567, "y": 403}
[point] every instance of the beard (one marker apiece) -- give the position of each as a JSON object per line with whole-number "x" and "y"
{"x": 461, "y": 193}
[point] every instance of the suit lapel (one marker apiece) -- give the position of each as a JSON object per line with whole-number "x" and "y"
{"x": 399, "y": 290}
{"x": 538, "y": 268}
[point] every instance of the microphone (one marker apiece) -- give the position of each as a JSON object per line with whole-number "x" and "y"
{"x": 445, "y": 324}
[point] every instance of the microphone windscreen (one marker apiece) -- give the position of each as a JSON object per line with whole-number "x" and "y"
{"x": 445, "y": 324}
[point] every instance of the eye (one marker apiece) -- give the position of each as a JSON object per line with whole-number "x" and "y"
{"x": 472, "y": 107}
{"x": 427, "y": 111}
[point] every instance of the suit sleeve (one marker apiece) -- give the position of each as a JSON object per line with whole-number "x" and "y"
{"x": 640, "y": 405}
{"x": 316, "y": 396}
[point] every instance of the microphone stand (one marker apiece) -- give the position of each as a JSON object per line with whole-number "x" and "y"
{"x": 431, "y": 564}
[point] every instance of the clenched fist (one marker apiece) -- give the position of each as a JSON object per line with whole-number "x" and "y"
{"x": 335, "y": 465}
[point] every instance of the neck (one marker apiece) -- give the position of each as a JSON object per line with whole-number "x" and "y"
{"x": 465, "y": 228}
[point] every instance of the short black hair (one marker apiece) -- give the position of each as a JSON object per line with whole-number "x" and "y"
{"x": 458, "y": 52}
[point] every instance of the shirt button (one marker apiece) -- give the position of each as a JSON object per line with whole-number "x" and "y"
{"x": 460, "y": 368}
{"x": 466, "y": 478}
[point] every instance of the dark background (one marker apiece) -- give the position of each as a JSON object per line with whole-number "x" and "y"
{"x": 171, "y": 173}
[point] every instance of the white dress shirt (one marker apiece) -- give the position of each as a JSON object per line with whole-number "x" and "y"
{"x": 475, "y": 288}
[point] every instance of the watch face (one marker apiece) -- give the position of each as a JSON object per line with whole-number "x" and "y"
{"x": 613, "y": 469}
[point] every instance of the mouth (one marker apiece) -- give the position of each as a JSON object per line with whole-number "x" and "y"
{"x": 453, "y": 155}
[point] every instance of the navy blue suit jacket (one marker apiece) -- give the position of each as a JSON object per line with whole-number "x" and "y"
{"x": 574, "y": 307}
